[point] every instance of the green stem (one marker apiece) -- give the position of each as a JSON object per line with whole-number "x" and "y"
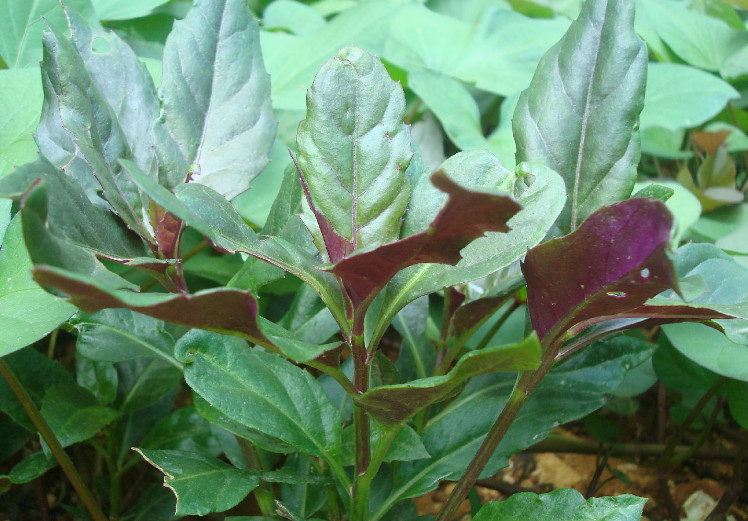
{"x": 52, "y": 442}
{"x": 526, "y": 384}
{"x": 362, "y": 428}
{"x": 667, "y": 454}
{"x": 264, "y": 492}
{"x": 497, "y": 325}
{"x": 115, "y": 479}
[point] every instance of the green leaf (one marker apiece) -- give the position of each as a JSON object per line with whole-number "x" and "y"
{"x": 144, "y": 382}
{"x": 679, "y": 96}
{"x": 98, "y": 378}
{"x": 21, "y": 27}
{"x": 396, "y": 404}
{"x": 452, "y": 104}
{"x": 737, "y": 399}
{"x": 116, "y": 10}
{"x": 27, "y": 312}
{"x": 19, "y": 112}
{"x": 261, "y": 391}
{"x": 710, "y": 348}
{"x": 580, "y": 114}
{"x": 79, "y": 129}
{"x": 31, "y": 467}
{"x": 541, "y": 203}
{"x": 417, "y": 356}
{"x": 303, "y": 498}
{"x": 353, "y": 152}
{"x": 497, "y": 53}
{"x": 202, "y": 484}
{"x": 73, "y": 413}
{"x": 115, "y": 335}
{"x": 293, "y": 16}
{"x": 573, "y": 389}
{"x": 216, "y": 125}
{"x": 698, "y": 39}
{"x": 37, "y": 373}
{"x": 184, "y": 430}
{"x": 292, "y": 61}
{"x": 407, "y": 445}
{"x": 565, "y": 504}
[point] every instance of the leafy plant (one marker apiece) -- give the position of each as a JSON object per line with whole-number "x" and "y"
{"x": 283, "y": 354}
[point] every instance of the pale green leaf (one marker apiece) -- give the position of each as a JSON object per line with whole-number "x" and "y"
{"x": 292, "y": 16}
{"x": 216, "y": 125}
{"x": 118, "y": 10}
{"x": 679, "y": 96}
{"x": 567, "y": 504}
{"x": 27, "y": 312}
{"x": 20, "y": 105}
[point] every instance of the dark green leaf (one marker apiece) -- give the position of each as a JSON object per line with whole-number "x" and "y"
{"x": 261, "y": 391}
{"x": 303, "y": 498}
{"x": 570, "y": 391}
{"x": 115, "y": 335}
{"x": 655, "y": 191}
{"x": 216, "y": 125}
{"x": 417, "y": 355}
{"x": 580, "y": 114}
{"x": 394, "y": 404}
{"x": 73, "y": 413}
{"x": 565, "y": 504}
{"x": 31, "y": 467}
{"x": 144, "y": 382}
{"x": 98, "y": 378}
{"x": 37, "y": 374}
{"x": 202, "y": 484}
{"x": 183, "y": 430}
{"x": 407, "y": 445}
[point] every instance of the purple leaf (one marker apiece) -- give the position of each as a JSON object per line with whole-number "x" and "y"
{"x": 610, "y": 265}
{"x": 223, "y": 310}
{"x": 466, "y": 216}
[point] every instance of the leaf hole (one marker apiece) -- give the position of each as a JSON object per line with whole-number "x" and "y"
{"x": 644, "y": 273}
{"x": 101, "y": 45}
{"x": 617, "y": 294}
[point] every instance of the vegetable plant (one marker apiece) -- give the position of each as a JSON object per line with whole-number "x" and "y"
{"x": 282, "y": 351}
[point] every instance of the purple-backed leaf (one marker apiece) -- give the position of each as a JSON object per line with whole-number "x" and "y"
{"x": 223, "y": 310}
{"x": 336, "y": 245}
{"x": 396, "y": 404}
{"x": 466, "y": 216}
{"x": 611, "y": 264}
{"x": 468, "y": 318}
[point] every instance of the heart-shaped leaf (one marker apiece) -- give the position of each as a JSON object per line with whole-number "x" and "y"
{"x": 579, "y": 116}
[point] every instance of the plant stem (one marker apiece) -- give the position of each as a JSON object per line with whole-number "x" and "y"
{"x": 362, "y": 428}
{"x": 52, "y": 442}
{"x": 264, "y": 492}
{"x": 497, "y": 325}
{"x": 526, "y": 384}
{"x": 669, "y": 450}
